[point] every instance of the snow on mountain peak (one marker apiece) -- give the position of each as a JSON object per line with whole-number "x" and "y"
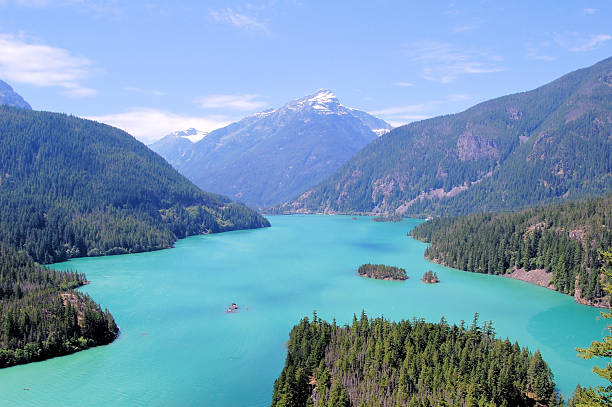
{"x": 323, "y": 101}
{"x": 191, "y": 134}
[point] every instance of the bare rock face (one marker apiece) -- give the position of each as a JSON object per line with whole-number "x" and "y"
{"x": 473, "y": 147}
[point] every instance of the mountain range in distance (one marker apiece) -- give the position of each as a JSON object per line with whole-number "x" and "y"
{"x": 272, "y": 156}
{"x": 547, "y": 145}
{"x": 9, "y": 97}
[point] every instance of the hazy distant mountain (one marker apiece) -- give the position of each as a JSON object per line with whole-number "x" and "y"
{"x": 550, "y": 144}
{"x": 175, "y": 146}
{"x": 11, "y": 98}
{"x": 272, "y": 156}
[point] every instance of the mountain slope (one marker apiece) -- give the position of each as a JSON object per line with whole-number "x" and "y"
{"x": 546, "y": 145}
{"x": 272, "y": 156}
{"x": 11, "y": 98}
{"x": 71, "y": 187}
{"x": 175, "y": 146}
{"x": 559, "y": 245}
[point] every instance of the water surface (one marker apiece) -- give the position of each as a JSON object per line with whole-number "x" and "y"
{"x": 178, "y": 347}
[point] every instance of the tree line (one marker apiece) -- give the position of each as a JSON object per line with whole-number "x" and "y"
{"x": 563, "y": 239}
{"x": 374, "y": 362}
{"x": 42, "y": 316}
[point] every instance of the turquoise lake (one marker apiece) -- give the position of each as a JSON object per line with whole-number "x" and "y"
{"x": 178, "y": 347}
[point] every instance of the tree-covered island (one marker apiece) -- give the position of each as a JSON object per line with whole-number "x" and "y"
{"x": 430, "y": 277}
{"x": 382, "y": 272}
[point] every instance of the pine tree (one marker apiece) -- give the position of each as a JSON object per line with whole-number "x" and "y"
{"x": 601, "y": 395}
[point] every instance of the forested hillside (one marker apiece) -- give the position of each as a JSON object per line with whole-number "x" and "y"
{"x": 374, "y": 362}
{"x": 41, "y": 316}
{"x": 543, "y": 146}
{"x": 71, "y": 187}
{"x": 564, "y": 240}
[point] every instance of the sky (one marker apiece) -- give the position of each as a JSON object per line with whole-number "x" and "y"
{"x": 153, "y": 67}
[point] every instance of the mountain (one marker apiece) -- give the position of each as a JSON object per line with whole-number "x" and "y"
{"x": 11, "y": 98}
{"x": 274, "y": 155}
{"x": 175, "y": 146}
{"x": 555, "y": 246}
{"x": 547, "y": 145}
{"x": 71, "y": 187}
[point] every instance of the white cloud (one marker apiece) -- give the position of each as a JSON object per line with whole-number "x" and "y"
{"x": 149, "y": 125}
{"x": 533, "y": 52}
{"x": 404, "y": 84}
{"x": 236, "y": 19}
{"x": 576, "y": 42}
{"x": 458, "y": 97}
{"x": 152, "y": 92}
{"x": 98, "y": 8}
{"x": 399, "y": 115}
{"x": 590, "y": 10}
{"x": 237, "y": 102}
{"x": 43, "y": 65}
{"x": 443, "y": 62}
{"x": 391, "y": 111}
{"x": 463, "y": 28}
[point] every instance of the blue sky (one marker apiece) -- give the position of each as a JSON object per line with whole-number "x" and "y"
{"x": 153, "y": 67}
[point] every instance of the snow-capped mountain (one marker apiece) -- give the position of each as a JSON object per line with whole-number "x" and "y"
{"x": 11, "y": 98}
{"x": 175, "y": 146}
{"x": 274, "y": 155}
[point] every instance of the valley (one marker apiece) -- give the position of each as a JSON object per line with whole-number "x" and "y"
{"x": 179, "y": 346}
{"x": 186, "y": 220}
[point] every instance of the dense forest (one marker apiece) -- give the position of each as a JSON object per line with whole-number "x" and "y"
{"x": 71, "y": 187}
{"x": 564, "y": 239}
{"x": 382, "y": 272}
{"x": 374, "y": 362}
{"x": 42, "y": 316}
{"x": 547, "y": 145}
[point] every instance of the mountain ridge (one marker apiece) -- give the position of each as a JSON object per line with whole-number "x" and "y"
{"x": 269, "y": 156}
{"x": 506, "y": 153}
{"x": 9, "y": 97}
{"x": 71, "y": 187}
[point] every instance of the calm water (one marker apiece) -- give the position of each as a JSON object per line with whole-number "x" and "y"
{"x": 178, "y": 347}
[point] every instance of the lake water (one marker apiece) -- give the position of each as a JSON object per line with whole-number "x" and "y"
{"x": 178, "y": 347}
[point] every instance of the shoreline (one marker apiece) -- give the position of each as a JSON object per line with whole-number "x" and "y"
{"x": 537, "y": 277}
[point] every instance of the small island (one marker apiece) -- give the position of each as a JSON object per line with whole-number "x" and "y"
{"x": 382, "y": 272}
{"x": 395, "y": 217}
{"x": 430, "y": 277}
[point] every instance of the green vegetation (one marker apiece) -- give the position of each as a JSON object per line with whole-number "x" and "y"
{"x": 71, "y": 187}
{"x": 374, "y": 362}
{"x": 41, "y": 316}
{"x": 430, "y": 277}
{"x": 561, "y": 239}
{"x": 599, "y": 396}
{"x": 547, "y": 145}
{"x": 382, "y": 272}
{"x": 388, "y": 218}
